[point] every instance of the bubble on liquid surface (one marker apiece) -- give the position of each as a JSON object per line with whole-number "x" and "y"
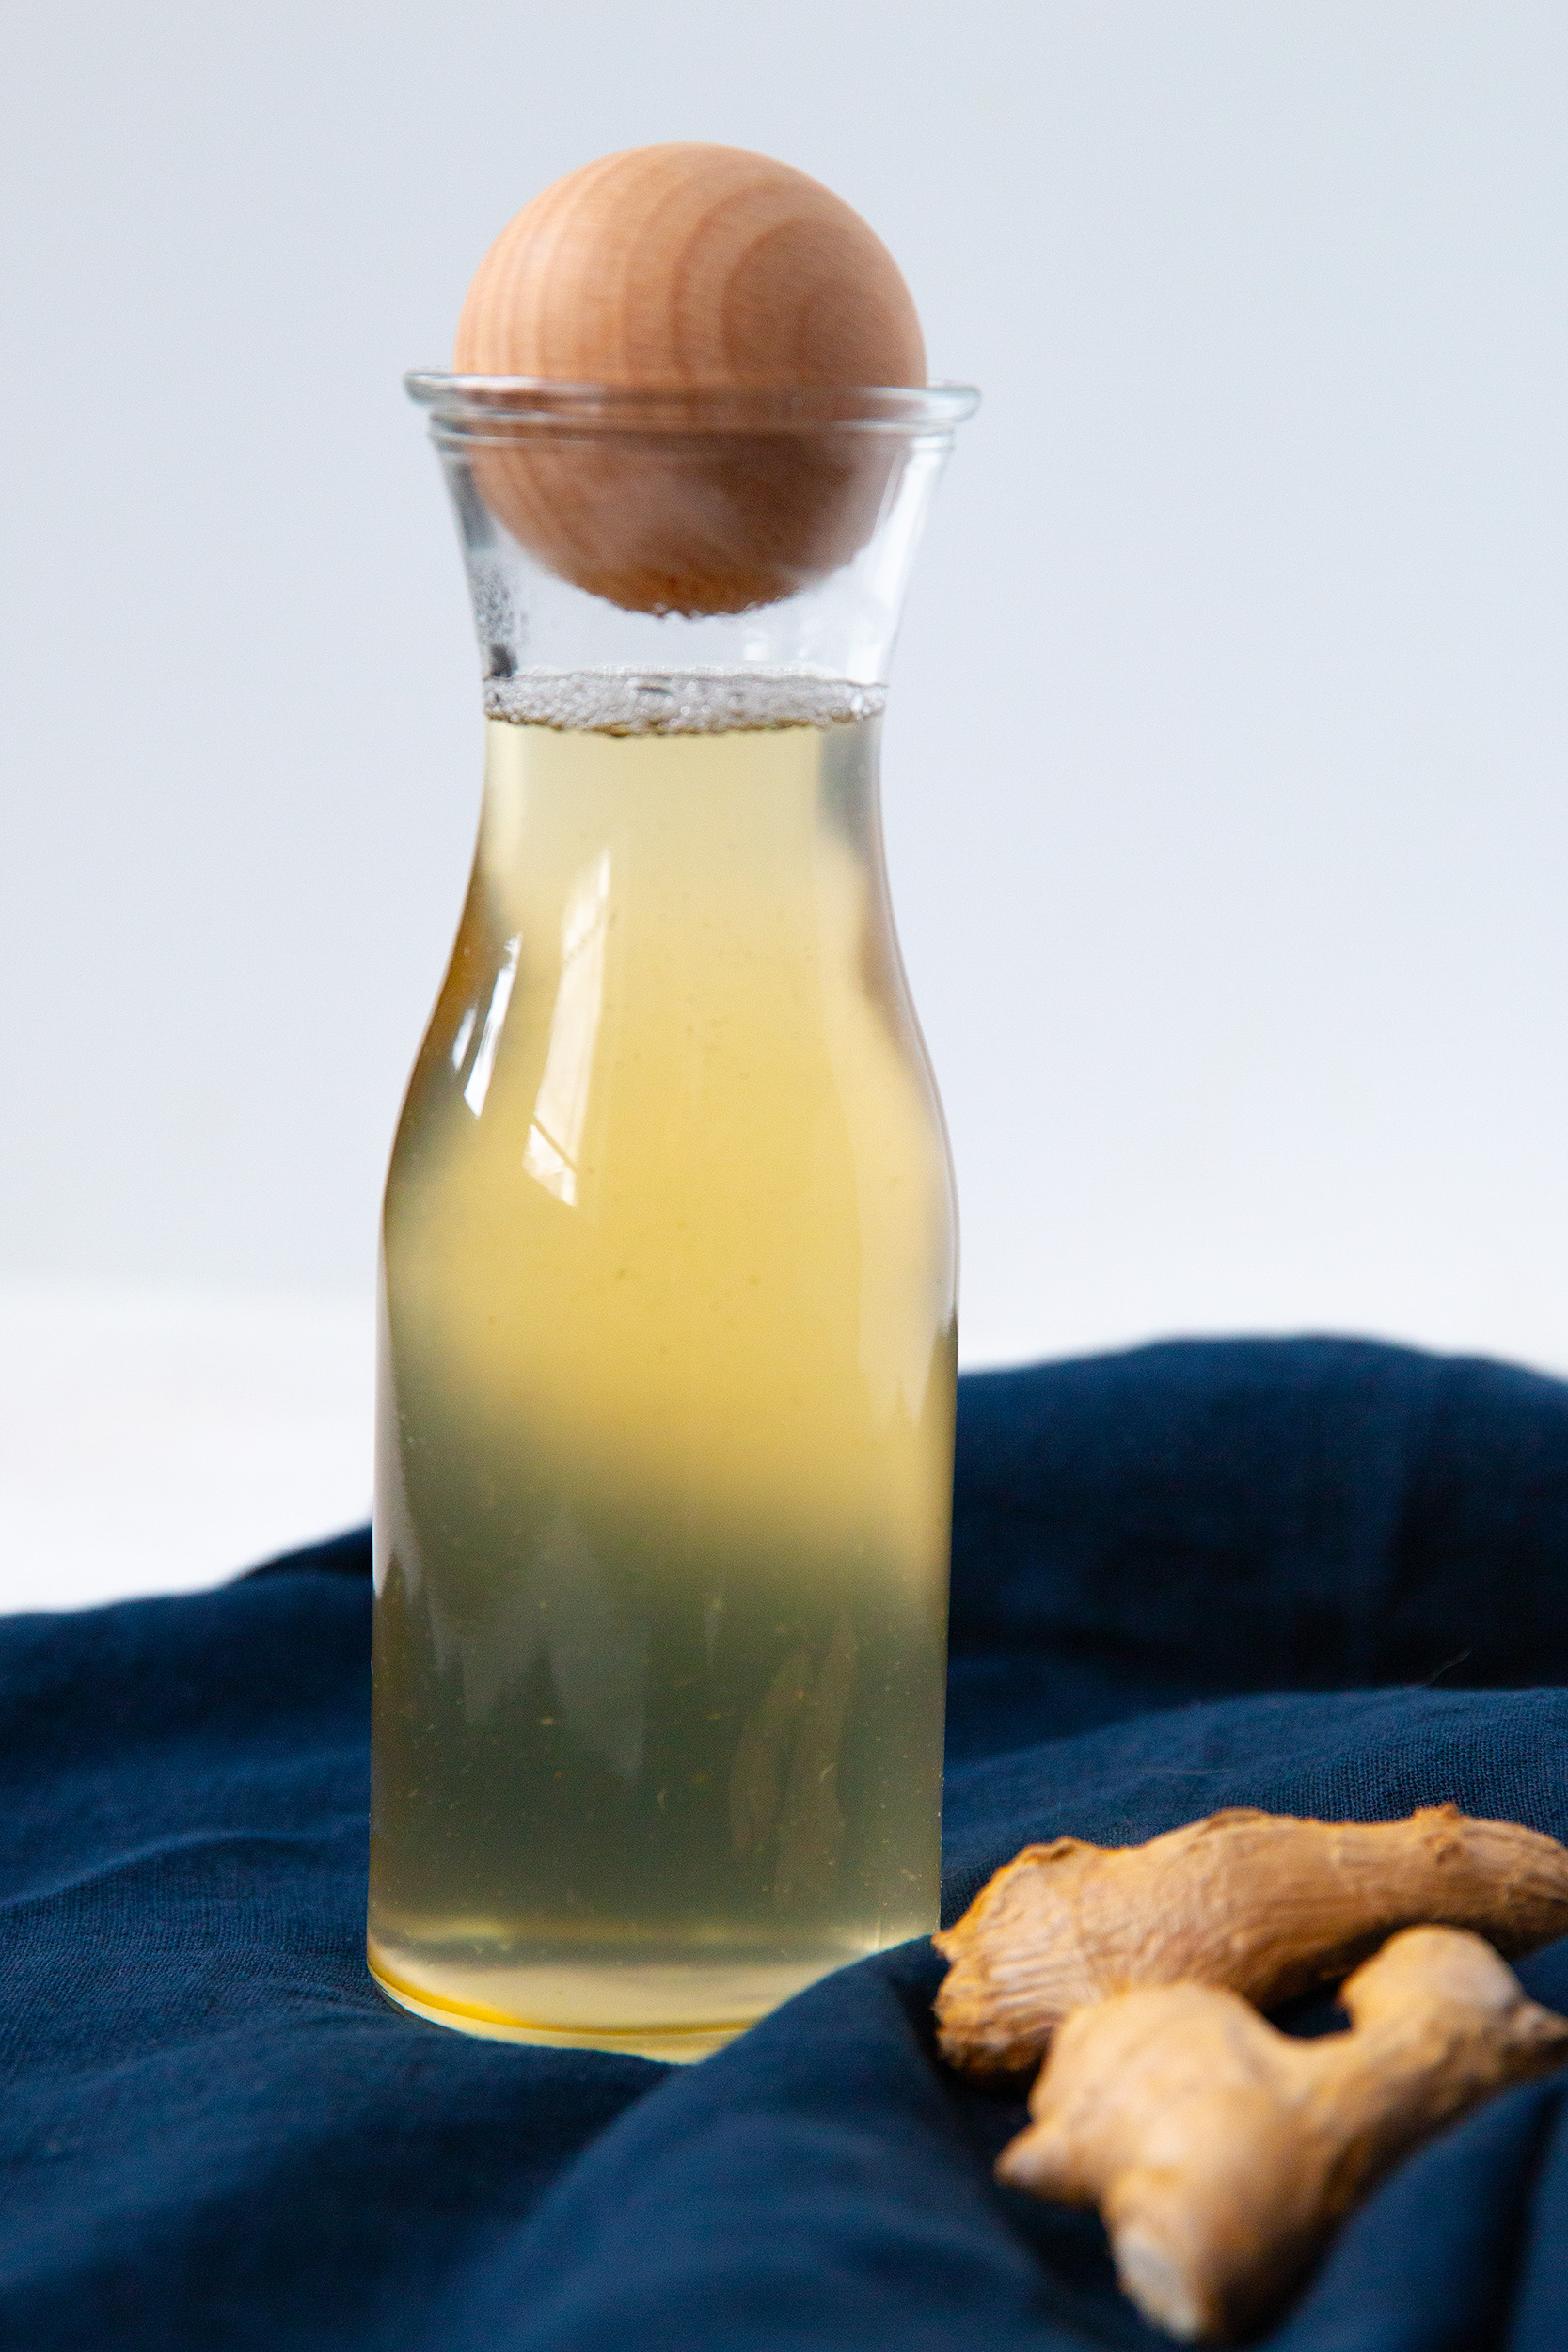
{"x": 678, "y": 702}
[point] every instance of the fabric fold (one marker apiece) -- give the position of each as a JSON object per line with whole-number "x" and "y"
{"x": 1320, "y": 1576}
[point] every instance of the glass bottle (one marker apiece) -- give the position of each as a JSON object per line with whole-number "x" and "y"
{"x": 667, "y": 1349}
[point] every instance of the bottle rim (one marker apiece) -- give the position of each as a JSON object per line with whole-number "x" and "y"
{"x": 468, "y": 408}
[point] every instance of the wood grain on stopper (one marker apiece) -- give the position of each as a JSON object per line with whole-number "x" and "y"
{"x": 687, "y": 265}
{"x": 699, "y": 269}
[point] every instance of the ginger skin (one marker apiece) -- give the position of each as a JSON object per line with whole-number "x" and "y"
{"x": 1259, "y": 1903}
{"x": 1221, "y": 2153}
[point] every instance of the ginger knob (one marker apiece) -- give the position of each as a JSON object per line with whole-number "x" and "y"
{"x": 1262, "y": 1903}
{"x": 1222, "y": 2153}
{"x": 691, "y": 272}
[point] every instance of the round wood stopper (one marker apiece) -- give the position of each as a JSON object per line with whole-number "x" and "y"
{"x": 699, "y": 270}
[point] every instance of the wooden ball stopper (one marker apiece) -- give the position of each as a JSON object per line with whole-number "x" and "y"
{"x": 690, "y": 269}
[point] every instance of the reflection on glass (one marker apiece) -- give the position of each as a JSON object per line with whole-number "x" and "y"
{"x": 489, "y": 1037}
{"x": 463, "y": 1039}
{"x": 561, "y": 1106}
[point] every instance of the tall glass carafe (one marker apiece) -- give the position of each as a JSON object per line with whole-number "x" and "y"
{"x": 667, "y": 1350}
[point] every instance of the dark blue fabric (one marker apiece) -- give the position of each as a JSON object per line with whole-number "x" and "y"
{"x": 1318, "y": 1576}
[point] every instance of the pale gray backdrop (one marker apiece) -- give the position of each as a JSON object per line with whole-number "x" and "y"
{"x": 1227, "y": 757}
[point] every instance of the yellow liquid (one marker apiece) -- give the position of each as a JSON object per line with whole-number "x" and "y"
{"x": 666, "y": 1422}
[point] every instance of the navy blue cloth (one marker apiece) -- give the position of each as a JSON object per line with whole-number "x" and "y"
{"x": 1318, "y": 1576}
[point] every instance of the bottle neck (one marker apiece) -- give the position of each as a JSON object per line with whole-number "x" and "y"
{"x": 730, "y": 843}
{"x": 709, "y": 911}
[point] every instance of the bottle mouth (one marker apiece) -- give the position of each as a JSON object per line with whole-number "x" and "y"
{"x": 468, "y": 408}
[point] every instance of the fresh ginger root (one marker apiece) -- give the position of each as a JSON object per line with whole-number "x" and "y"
{"x": 1258, "y": 1903}
{"x": 1222, "y": 2153}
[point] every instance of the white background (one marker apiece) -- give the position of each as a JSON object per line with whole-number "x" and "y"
{"x": 1227, "y": 748}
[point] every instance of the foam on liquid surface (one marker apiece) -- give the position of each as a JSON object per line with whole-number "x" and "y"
{"x": 678, "y": 702}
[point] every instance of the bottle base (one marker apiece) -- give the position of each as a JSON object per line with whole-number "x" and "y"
{"x": 674, "y": 2045}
